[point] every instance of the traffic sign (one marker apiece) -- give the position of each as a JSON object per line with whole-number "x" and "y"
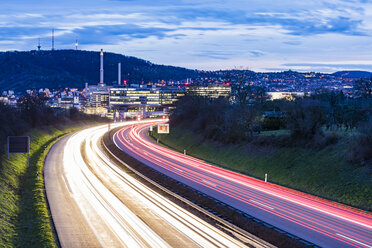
{"x": 18, "y": 144}
{"x": 163, "y": 128}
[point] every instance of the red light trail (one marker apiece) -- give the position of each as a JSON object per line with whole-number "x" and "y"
{"x": 320, "y": 221}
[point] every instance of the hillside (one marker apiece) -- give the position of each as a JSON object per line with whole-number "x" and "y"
{"x": 70, "y": 68}
{"x": 353, "y": 74}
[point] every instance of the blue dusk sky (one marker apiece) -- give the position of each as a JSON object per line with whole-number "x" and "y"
{"x": 261, "y": 35}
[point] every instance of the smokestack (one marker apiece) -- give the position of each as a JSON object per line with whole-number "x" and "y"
{"x": 119, "y": 73}
{"x": 101, "y": 69}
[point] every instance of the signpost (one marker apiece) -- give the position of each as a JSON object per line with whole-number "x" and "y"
{"x": 19, "y": 144}
{"x": 163, "y": 128}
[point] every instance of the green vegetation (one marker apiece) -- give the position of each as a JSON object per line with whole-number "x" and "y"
{"x": 320, "y": 144}
{"x": 322, "y": 172}
{"x": 25, "y": 220}
{"x": 24, "y": 217}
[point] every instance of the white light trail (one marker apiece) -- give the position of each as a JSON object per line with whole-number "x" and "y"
{"x": 111, "y": 220}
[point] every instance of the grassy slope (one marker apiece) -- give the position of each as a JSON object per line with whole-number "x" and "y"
{"x": 325, "y": 173}
{"x": 25, "y": 220}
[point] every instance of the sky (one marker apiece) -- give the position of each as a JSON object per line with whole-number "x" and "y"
{"x": 260, "y": 35}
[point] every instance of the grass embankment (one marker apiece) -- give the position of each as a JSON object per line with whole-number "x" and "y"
{"x": 25, "y": 220}
{"x": 325, "y": 173}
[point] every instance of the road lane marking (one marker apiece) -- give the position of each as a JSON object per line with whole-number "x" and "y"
{"x": 214, "y": 185}
{"x": 356, "y": 241}
{"x": 259, "y": 203}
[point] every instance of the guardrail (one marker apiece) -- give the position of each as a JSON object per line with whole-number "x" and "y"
{"x": 228, "y": 218}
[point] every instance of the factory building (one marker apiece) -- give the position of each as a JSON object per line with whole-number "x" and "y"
{"x": 97, "y": 95}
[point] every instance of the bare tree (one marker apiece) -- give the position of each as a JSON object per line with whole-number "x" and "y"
{"x": 242, "y": 85}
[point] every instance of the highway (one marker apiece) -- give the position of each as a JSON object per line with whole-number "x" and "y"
{"x": 319, "y": 221}
{"x": 96, "y": 203}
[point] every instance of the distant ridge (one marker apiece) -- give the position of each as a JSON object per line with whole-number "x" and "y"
{"x": 353, "y": 74}
{"x": 70, "y": 68}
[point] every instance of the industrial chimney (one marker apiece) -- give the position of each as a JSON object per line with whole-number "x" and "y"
{"x": 101, "y": 69}
{"x": 119, "y": 73}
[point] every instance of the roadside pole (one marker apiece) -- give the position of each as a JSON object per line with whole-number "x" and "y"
{"x": 265, "y": 177}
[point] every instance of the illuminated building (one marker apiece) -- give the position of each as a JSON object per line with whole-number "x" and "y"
{"x": 289, "y": 96}
{"x": 134, "y": 97}
{"x": 147, "y": 102}
{"x": 97, "y": 99}
{"x": 124, "y": 96}
{"x": 212, "y": 90}
{"x": 168, "y": 96}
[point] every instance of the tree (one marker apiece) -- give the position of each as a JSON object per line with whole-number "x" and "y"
{"x": 305, "y": 118}
{"x": 363, "y": 87}
{"x": 361, "y": 152}
{"x": 242, "y": 85}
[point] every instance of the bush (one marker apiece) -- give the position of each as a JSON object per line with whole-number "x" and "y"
{"x": 305, "y": 118}
{"x": 273, "y": 123}
{"x": 322, "y": 140}
{"x": 361, "y": 153}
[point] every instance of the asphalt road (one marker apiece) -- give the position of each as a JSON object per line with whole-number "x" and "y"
{"x": 96, "y": 203}
{"x": 71, "y": 227}
{"x": 319, "y": 221}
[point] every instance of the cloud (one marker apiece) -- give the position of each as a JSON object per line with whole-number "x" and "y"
{"x": 259, "y": 34}
{"x": 330, "y": 66}
{"x": 257, "y": 53}
{"x": 213, "y": 54}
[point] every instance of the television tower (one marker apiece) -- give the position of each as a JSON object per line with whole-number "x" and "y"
{"x": 76, "y": 44}
{"x": 39, "y": 46}
{"x": 53, "y": 39}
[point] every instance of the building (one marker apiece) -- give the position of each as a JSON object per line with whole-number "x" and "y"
{"x": 211, "y": 90}
{"x": 97, "y": 99}
{"x": 69, "y": 100}
{"x": 125, "y": 96}
{"x": 170, "y": 95}
{"x": 289, "y": 96}
{"x": 131, "y": 101}
{"x": 127, "y": 102}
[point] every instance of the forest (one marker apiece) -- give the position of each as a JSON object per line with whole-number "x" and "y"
{"x": 69, "y": 68}
{"x": 315, "y": 121}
